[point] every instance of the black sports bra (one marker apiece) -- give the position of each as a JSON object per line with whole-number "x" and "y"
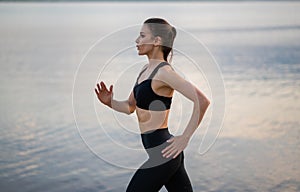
{"x": 146, "y": 98}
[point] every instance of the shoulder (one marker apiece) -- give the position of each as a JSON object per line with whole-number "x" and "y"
{"x": 167, "y": 75}
{"x": 165, "y": 70}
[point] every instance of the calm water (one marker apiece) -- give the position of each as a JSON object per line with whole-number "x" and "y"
{"x": 256, "y": 45}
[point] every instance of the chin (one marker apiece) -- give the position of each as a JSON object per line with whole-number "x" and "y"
{"x": 139, "y": 53}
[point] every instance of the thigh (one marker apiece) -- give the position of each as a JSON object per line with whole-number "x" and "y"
{"x": 180, "y": 181}
{"x": 145, "y": 180}
{"x": 152, "y": 179}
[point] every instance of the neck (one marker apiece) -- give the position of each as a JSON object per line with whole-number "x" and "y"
{"x": 154, "y": 62}
{"x": 155, "y": 57}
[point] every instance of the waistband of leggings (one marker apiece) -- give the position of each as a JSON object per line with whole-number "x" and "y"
{"x": 155, "y": 137}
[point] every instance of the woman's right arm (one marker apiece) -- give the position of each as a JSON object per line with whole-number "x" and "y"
{"x": 105, "y": 96}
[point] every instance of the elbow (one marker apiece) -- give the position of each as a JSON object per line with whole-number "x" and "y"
{"x": 207, "y": 102}
{"x": 204, "y": 102}
{"x": 130, "y": 110}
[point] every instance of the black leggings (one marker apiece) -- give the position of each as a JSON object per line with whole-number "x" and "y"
{"x": 158, "y": 171}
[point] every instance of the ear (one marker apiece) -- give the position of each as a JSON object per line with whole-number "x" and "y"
{"x": 157, "y": 41}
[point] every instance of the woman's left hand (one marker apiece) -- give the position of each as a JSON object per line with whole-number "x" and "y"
{"x": 177, "y": 145}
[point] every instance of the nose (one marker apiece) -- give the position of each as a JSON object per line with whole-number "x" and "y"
{"x": 137, "y": 40}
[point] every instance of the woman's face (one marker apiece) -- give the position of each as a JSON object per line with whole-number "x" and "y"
{"x": 145, "y": 41}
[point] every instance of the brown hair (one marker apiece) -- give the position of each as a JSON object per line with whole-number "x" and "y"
{"x": 160, "y": 27}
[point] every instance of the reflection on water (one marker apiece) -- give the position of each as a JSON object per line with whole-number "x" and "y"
{"x": 256, "y": 46}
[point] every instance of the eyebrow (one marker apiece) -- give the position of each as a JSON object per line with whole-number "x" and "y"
{"x": 142, "y": 32}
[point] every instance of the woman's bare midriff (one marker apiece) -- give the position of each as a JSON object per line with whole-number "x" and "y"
{"x": 151, "y": 120}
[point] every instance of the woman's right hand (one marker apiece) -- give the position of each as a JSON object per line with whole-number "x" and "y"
{"x": 104, "y": 95}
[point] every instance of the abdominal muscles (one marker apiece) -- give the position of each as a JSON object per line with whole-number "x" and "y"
{"x": 150, "y": 120}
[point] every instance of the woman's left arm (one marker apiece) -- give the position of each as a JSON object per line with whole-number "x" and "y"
{"x": 200, "y": 101}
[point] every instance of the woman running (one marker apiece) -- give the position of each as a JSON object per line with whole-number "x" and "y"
{"x": 151, "y": 99}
